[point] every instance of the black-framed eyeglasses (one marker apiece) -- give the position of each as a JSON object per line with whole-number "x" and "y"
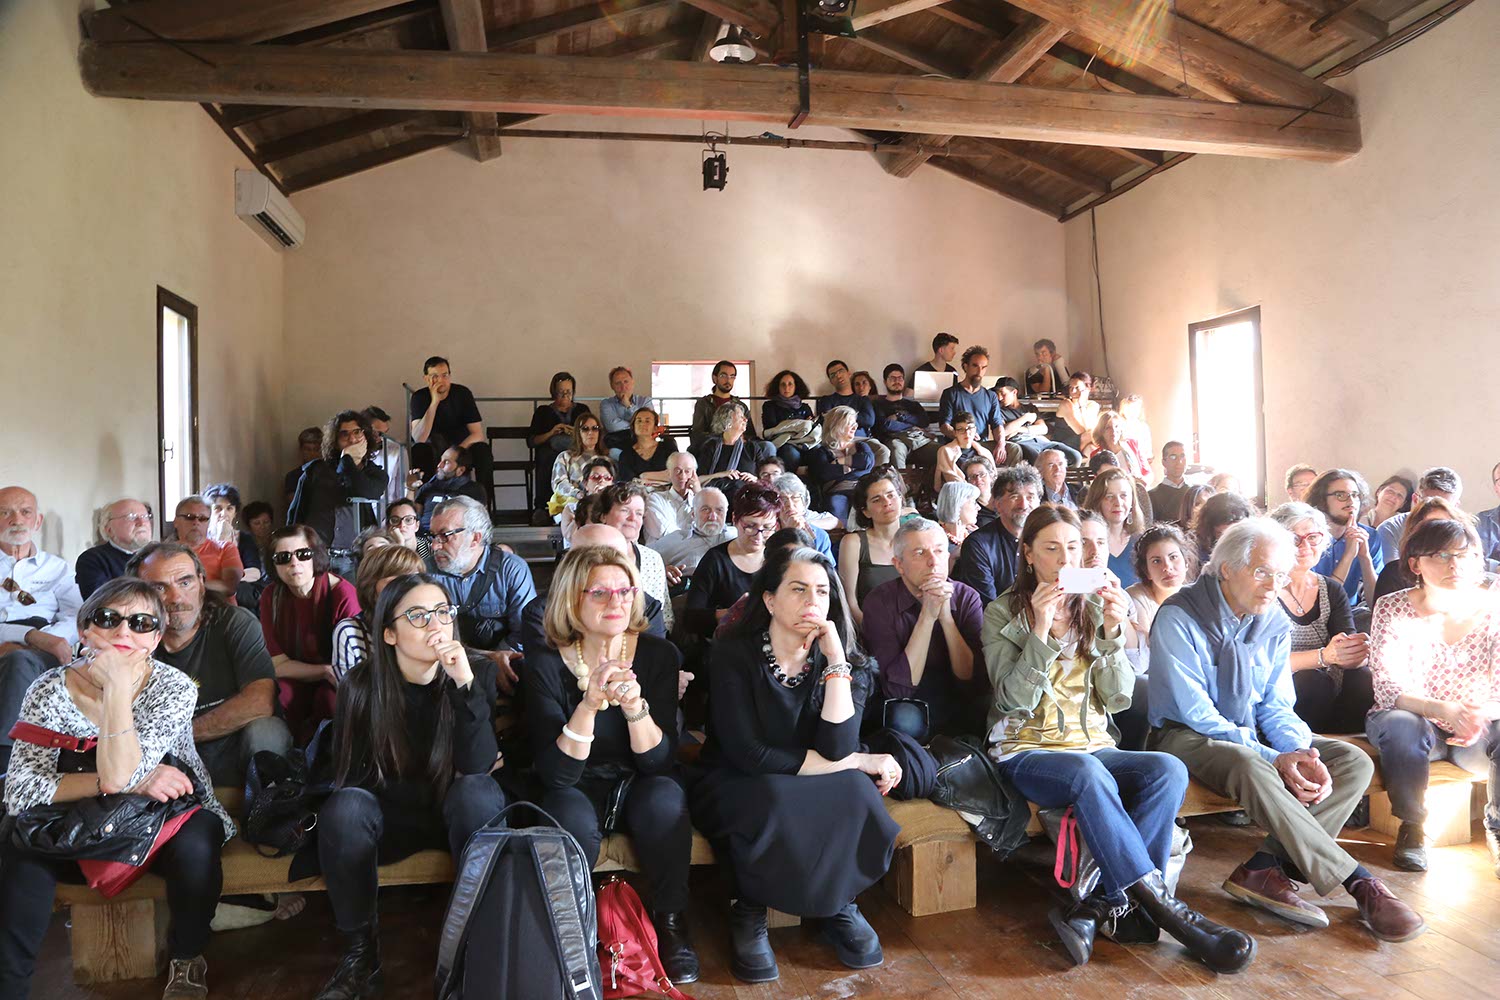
{"x": 10, "y": 586}
{"x": 444, "y": 537}
{"x": 140, "y": 623}
{"x": 403, "y": 520}
{"x": 301, "y": 555}
{"x": 1342, "y": 496}
{"x": 419, "y": 617}
{"x": 195, "y": 518}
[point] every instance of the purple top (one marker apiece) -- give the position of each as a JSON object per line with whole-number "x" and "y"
{"x": 891, "y": 613}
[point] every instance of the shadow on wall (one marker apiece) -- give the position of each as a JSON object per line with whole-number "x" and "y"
{"x": 831, "y": 315}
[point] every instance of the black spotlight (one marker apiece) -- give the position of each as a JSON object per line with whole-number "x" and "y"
{"x": 715, "y": 171}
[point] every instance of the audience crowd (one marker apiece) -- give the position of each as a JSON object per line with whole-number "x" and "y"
{"x": 820, "y": 603}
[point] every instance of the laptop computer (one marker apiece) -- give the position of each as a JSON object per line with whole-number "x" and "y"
{"x": 927, "y": 387}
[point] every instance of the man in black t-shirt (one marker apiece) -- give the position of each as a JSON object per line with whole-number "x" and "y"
{"x": 944, "y": 350}
{"x": 444, "y": 415}
{"x": 221, "y": 648}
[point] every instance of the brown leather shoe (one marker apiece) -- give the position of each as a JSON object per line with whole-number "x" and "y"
{"x": 1272, "y": 891}
{"x": 1387, "y": 917}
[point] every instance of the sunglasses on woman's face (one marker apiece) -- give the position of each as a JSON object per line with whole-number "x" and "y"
{"x": 282, "y": 558}
{"x": 108, "y": 619}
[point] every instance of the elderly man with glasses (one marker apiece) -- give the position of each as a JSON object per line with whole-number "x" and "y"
{"x": 490, "y": 586}
{"x": 684, "y": 548}
{"x": 39, "y": 604}
{"x": 1221, "y": 699}
{"x": 123, "y": 529}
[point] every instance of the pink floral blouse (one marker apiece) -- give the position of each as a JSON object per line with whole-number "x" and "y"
{"x": 1408, "y": 656}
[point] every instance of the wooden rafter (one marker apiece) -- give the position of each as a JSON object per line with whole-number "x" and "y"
{"x": 1353, "y": 24}
{"x": 869, "y": 13}
{"x": 453, "y": 81}
{"x": 1173, "y": 45}
{"x": 708, "y": 34}
{"x": 918, "y": 59}
{"x": 667, "y": 40}
{"x": 762, "y": 17}
{"x": 331, "y": 134}
{"x": 243, "y": 21}
{"x": 1027, "y": 156}
{"x": 463, "y": 21}
{"x": 368, "y": 161}
{"x": 528, "y": 33}
{"x": 963, "y": 168}
{"x": 1003, "y": 62}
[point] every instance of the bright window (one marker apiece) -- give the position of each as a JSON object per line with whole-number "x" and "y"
{"x": 177, "y": 383}
{"x": 1228, "y": 418}
{"x": 678, "y": 384}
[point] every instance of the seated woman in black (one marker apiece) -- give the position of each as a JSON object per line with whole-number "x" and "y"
{"x": 646, "y": 458}
{"x": 724, "y": 573}
{"x": 601, "y": 703}
{"x": 414, "y": 746}
{"x": 786, "y": 399}
{"x": 727, "y": 458}
{"x": 790, "y": 803}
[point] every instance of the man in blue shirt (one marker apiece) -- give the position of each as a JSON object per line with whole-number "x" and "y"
{"x": 1221, "y": 699}
{"x": 970, "y": 396}
{"x": 1355, "y": 555}
{"x": 1438, "y": 481}
{"x": 489, "y": 586}
{"x": 1489, "y": 523}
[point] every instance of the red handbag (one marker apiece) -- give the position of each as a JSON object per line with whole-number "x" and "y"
{"x": 109, "y": 877}
{"x": 627, "y": 946}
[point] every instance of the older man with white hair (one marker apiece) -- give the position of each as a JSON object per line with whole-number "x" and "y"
{"x": 924, "y": 631}
{"x": 684, "y": 549}
{"x": 1221, "y": 699}
{"x": 488, "y": 585}
{"x": 123, "y": 529}
{"x": 39, "y": 605}
{"x": 670, "y": 509}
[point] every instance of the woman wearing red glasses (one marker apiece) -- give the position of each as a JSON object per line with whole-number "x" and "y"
{"x": 298, "y": 612}
{"x": 601, "y": 701}
{"x": 413, "y": 749}
{"x": 138, "y": 711}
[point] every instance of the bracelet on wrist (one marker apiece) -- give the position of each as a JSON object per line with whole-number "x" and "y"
{"x": 637, "y": 717}
{"x": 110, "y": 736}
{"x": 1321, "y": 661}
{"x": 836, "y": 670}
{"x": 577, "y": 737}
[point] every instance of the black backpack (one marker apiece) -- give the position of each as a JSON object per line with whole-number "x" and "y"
{"x": 524, "y": 899}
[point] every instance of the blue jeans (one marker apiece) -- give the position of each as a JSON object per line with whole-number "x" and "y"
{"x": 1125, "y": 802}
{"x": 1408, "y": 743}
{"x": 1032, "y": 447}
{"x": 838, "y": 505}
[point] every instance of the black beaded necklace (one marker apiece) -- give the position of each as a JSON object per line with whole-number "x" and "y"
{"x": 781, "y": 675}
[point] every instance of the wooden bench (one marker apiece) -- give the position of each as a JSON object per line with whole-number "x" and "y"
{"x": 125, "y": 937}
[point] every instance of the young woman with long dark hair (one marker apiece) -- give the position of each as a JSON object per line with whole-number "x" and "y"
{"x": 790, "y": 802}
{"x": 414, "y": 746}
{"x": 1057, "y": 666}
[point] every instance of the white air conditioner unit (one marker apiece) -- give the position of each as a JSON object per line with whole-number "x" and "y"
{"x": 267, "y": 211}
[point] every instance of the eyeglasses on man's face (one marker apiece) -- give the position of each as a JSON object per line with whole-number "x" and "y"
{"x": 1265, "y": 574}
{"x": 301, "y": 555}
{"x": 191, "y": 518}
{"x": 420, "y": 617}
{"x": 1342, "y": 496}
{"x": 132, "y": 518}
{"x": 445, "y": 538}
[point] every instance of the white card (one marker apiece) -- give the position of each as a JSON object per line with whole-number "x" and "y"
{"x": 1080, "y": 580}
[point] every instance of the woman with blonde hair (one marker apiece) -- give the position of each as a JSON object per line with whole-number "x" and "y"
{"x": 587, "y": 443}
{"x": 837, "y": 465}
{"x": 1111, "y": 433}
{"x": 1112, "y": 494}
{"x": 351, "y": 636}
{"x": 601, "y": 702}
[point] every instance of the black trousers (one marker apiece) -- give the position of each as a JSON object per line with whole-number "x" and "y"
{"x": 655, "y": 814}
{"x": 425, "y": 455}
{"x": 1134, "y": 722}
{"x": 1328, "y": 711}
{"x": 352, "y": 825}
{"x": 189, "y": 863}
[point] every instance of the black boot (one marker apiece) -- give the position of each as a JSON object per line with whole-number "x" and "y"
{"x": 675, "y": 948}
{"x": 751, "y": 958}
{"x": 1132, "y": 926}
{"x": 1077, "y": 925}
{"x": 1221, "y": 948}
{"x": 358, "y": 973}
{"x": 854, "y": 941}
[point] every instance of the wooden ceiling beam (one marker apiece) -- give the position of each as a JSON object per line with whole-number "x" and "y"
{"x": 918, "y": 59}
{"x": 708, "y": 34}
{"x": 240, "y": 115}
{"x": 1003, "y": 62}
{"x": 761, "y": 17}
{"x": 869, "y": 13}
{"x": 462, "y": 81}
{"x": 333, "y": 133}
{"x": 353, "y": 28}
{"x": 528, "y": 33}
{"x": 463, "y": 23}
{"x": 368, "y": 161}
{"x": 656, "y": 43}
{"x": 1144, "y": 157}
{"x": 1173, "y": 45}
{"x": 1015, "y": 192}
{"x": 1352, "y": 24}
{"x": 242, "y": 21}
{"x": 1026, "y": 156}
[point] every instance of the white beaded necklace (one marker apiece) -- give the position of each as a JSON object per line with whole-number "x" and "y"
{"x": 580, "y": 668}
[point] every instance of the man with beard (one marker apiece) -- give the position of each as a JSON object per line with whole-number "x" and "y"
{"x": 124, "y": 528}
{"x": 39, "y": 605}
{"x": 489, "y": 586}
{"x": 453, "y": 479}
{"x": 221, "y": 648}
{"x": 991, "y": 554}
{"x": 684, "y": 548}
{"x": 970, "y": 396}
{"x": 1355, "y": 555}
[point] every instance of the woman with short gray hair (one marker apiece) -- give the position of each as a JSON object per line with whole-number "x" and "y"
{"x": 957, "y": 510}
{"x": 1328, "y": 661}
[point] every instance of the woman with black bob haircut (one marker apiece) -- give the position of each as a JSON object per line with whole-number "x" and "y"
{"x": 785, "y": 777}
{"x": 413, "y": 750}
{"x": 601, "y": 705}
{"x": 141, "y": 713}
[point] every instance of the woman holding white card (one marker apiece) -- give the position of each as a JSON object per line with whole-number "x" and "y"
{"x": 1057, "y": 665}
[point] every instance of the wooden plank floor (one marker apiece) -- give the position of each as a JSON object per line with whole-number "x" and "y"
{"x": 1004, "y": 948}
